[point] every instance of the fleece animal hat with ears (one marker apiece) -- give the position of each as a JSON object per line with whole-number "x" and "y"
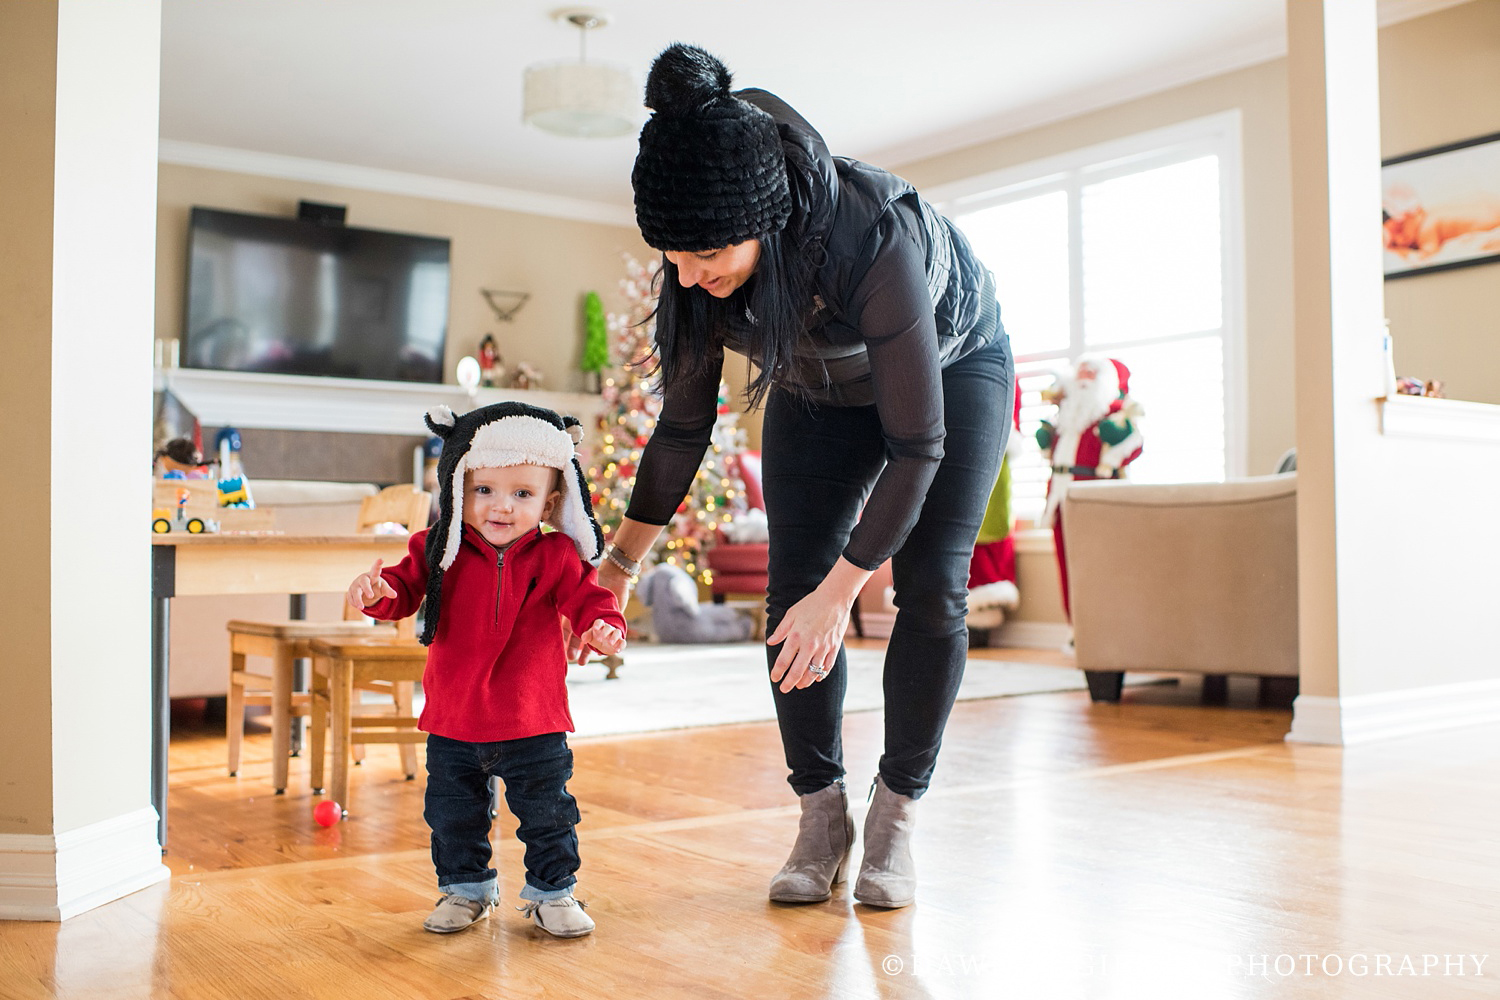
{"x": 491, "y": 437}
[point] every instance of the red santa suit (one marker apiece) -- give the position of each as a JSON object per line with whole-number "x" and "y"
{"x": 1095, "y": 434}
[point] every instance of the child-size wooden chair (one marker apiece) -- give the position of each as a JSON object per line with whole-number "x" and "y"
{"x": 341, "y": 668}
{"x": 284, "y": 641}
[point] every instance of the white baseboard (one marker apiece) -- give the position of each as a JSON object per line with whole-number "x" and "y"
{"x": 1032, "y": 635}
{"x": 1364, "y": 718}
{"x": 46, "y": 877}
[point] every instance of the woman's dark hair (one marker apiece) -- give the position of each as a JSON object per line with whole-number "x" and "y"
{"x": 770, "y": 312}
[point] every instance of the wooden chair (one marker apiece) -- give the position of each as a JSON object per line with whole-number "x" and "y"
{"x": 341, "y": 667}
{"x": 284, "y": 641}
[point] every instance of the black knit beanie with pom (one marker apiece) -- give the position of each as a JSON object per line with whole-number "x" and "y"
{"x": 710, "y": 172}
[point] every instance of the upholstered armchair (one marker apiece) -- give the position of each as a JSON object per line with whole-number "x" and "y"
{"x": 1189, "y": 577}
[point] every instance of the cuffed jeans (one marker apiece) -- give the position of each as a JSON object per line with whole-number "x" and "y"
{"x": 819, "y": 464}
{"x": 535, "y": 771}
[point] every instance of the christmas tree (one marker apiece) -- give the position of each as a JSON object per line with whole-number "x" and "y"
{"x": 595, "y": 340}
{"x": 631, "y": 408}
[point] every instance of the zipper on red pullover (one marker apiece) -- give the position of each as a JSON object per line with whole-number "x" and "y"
{"x": 500, "y": 582}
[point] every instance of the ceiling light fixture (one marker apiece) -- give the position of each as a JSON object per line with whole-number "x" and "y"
{"x": 581, "y": 99}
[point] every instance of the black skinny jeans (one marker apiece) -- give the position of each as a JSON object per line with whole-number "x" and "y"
{"x": 819, "y": 465}
{"x": 535, "y": 771}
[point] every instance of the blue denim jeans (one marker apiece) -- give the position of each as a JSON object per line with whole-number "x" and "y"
{"x": 819, "y": 465}
{"x": 535, "y": 771}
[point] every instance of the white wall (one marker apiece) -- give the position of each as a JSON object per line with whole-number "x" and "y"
{"x": 77, "y": 828}
{"x": 104, "y": 228}
{"x": 1389, "y": 644}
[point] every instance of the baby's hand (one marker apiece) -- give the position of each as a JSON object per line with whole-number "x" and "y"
{"x": 368, "y": 588}
{"x": 604, "y": 637}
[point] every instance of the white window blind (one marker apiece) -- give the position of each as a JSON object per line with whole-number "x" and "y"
{"x": 1129, "y": 251}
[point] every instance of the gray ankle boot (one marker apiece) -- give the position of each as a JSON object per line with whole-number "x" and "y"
{"x": 821, "y": 854}
{"x": 888, "y": 876}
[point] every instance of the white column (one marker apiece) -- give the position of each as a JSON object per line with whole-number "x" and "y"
{"x": 81, "y": 79}
{"x": 1338, "y": 304}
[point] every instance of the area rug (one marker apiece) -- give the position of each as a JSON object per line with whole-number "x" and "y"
{"x": 679, "y": 686}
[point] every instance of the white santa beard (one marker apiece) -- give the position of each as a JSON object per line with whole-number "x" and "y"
{"x": 1082, "y": 406}
{"x": 1079, "y": 409}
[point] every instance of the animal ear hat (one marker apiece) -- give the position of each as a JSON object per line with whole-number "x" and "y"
{"x": 495, "y": 436}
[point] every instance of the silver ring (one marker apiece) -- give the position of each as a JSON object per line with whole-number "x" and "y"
{"x": 818, "y": 670}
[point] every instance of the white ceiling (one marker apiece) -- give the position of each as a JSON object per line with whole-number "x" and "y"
{"x": 433, "y": 87}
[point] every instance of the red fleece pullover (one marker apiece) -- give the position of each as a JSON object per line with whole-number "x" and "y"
{"x": 497, "y": 666}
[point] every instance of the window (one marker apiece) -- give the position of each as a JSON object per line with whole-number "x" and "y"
{"x": 1130, "y": 250}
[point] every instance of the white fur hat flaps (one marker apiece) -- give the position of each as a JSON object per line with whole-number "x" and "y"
{"x": 520, "y": 440}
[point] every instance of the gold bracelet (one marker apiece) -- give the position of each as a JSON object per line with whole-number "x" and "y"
{"x": 631, "y": 567}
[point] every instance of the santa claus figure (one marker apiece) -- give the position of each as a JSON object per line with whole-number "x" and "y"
{"x": 1095, "y": 434}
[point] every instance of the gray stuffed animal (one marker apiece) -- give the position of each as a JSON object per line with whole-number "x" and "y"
{"x": 676, "y": 615}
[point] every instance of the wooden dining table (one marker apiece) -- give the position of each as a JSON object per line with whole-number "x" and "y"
{"x": 185, "y": 565}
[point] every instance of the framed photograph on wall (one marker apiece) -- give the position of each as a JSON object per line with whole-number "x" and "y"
{"x": 1441, "y": 207}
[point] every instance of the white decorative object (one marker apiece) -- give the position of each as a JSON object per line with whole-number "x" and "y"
{"x": 749, "y": 528}
{"x": 467, "y": 375}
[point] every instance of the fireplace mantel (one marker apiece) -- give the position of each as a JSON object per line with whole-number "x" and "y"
{"x": 347, "y": 405}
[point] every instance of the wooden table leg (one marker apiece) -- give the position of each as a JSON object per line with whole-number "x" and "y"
{"x": 281, "y": 715}
{"x": 234, "y": 710}
{"x": 405, "y": 696}
{"x": 317, "y": 708}
{"x": 340, "y": 686}
{"x": 301, "y": 670}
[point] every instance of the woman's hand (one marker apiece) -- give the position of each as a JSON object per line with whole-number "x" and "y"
{"x": 813, "y": 630}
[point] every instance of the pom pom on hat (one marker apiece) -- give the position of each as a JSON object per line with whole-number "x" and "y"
{"x": 683, "y": 79}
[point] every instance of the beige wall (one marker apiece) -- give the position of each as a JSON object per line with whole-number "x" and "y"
{"x": 28, "y": 67}
{"x": 557, "y": 260}
{"x": 1440, "y": 83}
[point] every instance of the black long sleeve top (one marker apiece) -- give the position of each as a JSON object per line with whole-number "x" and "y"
{"x": 901, "y": 297}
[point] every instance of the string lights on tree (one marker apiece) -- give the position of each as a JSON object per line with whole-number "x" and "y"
{"x": 631, "y": 409}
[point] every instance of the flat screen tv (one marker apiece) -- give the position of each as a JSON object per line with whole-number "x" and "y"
{"x": 282, "y": 295}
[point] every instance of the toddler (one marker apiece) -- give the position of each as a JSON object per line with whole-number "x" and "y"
{"x": 496, "y": 702}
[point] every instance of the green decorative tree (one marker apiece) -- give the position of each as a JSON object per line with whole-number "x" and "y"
{"x": 595, "y": 339}
{"x": 717, "y": 495}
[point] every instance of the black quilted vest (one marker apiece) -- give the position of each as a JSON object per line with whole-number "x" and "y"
{"x": 859, "y": 210}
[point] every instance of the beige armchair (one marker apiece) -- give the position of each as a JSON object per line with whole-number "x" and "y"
{"x": 1189, "y": 577}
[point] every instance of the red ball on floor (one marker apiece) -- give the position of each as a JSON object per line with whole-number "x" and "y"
{"x": 328, "y": 812}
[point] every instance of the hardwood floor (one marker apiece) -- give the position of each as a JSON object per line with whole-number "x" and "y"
{"x": 1156, "y": 848}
